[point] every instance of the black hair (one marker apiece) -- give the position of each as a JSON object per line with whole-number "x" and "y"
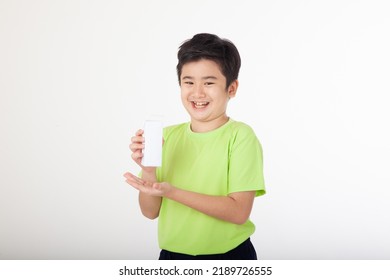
{"x": 210, "y": 46}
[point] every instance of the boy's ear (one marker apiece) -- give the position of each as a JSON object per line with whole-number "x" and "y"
{"x": 232, "y": 89}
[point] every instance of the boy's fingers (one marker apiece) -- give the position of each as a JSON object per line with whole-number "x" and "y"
{"x": 137, "y": 139}
{"x": 132, "y": 179}
{"x": 136, "y": 146}
{"x": 137, "y": 155}
{"x": 138, "y": 183}
{"x": 128, "y": 175}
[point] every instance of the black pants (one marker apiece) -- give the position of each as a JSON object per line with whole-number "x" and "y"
{"x": 244, "y": 251}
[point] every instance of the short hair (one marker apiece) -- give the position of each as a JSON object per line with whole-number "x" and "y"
{"x": 211, "y": 47}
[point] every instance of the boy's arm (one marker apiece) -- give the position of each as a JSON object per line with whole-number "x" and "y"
{"x": 150, "y": 205}
{"x": 234, "y": 208}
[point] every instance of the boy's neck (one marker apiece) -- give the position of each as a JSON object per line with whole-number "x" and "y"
{"x": 207, "y": 126}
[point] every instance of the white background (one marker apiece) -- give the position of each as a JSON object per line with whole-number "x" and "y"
{"x": 78, "y": 78}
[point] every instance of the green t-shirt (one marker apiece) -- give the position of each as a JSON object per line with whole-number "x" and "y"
{"x": 223, "y": 161}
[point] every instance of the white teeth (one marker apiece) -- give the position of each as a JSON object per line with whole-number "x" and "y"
{"x": 201, "y": 103}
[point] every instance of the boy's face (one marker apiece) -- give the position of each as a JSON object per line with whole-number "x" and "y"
{"x": 204, "y": 94}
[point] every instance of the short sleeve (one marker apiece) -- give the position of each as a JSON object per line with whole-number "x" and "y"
{"x": 245, "y": 162}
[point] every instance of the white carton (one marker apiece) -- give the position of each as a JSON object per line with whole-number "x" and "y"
{"x": 153, "y": 134}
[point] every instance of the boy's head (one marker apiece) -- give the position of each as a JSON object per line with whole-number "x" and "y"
{"x": 211, "y": 47}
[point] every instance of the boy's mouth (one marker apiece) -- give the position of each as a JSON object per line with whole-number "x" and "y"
{"x": 199, "y": 105}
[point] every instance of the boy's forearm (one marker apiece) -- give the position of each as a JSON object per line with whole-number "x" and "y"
{"x": 234, "y": 208}
{"x": 150, "y": 205}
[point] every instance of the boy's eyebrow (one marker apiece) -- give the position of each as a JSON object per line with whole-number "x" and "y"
{"x": 209, "y": 77}
{"x": 203, "y": 78}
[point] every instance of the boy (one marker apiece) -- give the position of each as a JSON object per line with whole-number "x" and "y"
{"x": 212, "y": 166}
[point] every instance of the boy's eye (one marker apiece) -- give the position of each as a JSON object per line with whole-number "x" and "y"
{"x": 189, "y": 83}
{"x": 208, "y": 83}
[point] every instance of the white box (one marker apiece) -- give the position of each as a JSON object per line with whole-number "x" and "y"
{"x": 153, "y": 134}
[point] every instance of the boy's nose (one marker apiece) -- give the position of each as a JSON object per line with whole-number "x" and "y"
{"x": 199, "y": 92}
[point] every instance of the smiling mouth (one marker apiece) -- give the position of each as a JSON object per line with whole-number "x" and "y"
{"x": 199, "y": 105}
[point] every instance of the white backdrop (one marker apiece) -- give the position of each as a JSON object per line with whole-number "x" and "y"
{"x": 78, "y": 78}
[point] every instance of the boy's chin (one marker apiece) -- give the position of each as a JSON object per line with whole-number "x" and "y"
{"x": 199, "y": 115}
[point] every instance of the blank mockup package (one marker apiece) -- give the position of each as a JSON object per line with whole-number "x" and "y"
{"x": 153, "y": 134}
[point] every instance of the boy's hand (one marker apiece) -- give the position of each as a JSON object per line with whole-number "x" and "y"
{"x": 136, "y": 146}
{"x": 152, "y": 189}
